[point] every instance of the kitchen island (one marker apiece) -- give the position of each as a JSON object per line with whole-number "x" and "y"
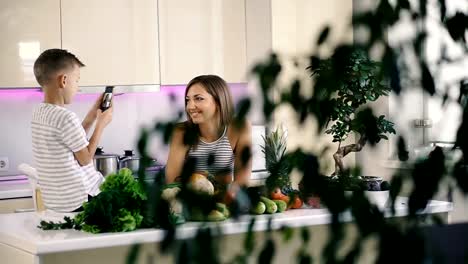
{"x": 22, "y": 242}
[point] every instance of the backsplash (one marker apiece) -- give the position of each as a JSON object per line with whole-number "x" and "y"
{"x": 132, "y": 112}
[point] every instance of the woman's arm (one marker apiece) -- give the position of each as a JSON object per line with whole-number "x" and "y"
{"x": 243, "y": 154}
{"x": 177, "y": 152}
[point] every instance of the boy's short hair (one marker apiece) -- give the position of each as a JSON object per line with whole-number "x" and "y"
{"x": 51, "y": 61}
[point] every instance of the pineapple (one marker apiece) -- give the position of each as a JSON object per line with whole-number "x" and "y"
{"x": 277, "y": 163}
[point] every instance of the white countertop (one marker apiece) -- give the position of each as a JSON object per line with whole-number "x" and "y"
{"x": 20, "y": 230}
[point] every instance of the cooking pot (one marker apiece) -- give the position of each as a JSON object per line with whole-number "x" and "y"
{"x": 110, "y": 163}
{"x": 131, "y": 161}
{"x": 106, "y": 163}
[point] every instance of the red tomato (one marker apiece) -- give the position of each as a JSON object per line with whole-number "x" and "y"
{"x": 276, "y": 194}
{"x": 297, "y": 203}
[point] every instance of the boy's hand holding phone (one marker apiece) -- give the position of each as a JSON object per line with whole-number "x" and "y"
{"x": 105, "y": 110}
{"x": 107, "y": 98}
{"x": 104, "y": 118}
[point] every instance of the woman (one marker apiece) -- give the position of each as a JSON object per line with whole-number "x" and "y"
{"x": 217, "y": 141}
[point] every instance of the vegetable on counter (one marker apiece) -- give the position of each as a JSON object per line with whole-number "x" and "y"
{"x": 200, "y": 183}
{"x": 258, "y": 209}
{"x": 296, "y": 201}
{"x": 282, "y": 205}
{"x": 271, "y": 207}
{"x": 213, "y": 216}
{"x": 223, "y": 209}
{"x": 117, "y": 208}
{"x": 276, "y": 194}
{"x": 121, "y": 205}
{"x": 169, "y": 193}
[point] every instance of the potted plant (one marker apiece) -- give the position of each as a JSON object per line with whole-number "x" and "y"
{"x": 357, "y": 80}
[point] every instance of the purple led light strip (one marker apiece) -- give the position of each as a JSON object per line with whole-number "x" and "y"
{"x": 177, "y": 90}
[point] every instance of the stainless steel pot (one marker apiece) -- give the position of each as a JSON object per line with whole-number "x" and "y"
{"x": 110, "y": 163}
{"x": 131, "y": 161}
{"x": 106, "y": 163}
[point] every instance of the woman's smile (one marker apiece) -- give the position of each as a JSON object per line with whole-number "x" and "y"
{"x": 195, "y": 114}
{"x": 200, "y": 105}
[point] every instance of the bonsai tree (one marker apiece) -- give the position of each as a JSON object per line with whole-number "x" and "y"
{"x": 357, "y": 80}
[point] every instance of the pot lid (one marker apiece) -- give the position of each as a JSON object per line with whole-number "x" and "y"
{"x": 100, "y": 154}
{"x": 129, "y": 153}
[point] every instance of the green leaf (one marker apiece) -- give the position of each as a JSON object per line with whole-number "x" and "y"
{"x": 383, "y": 136}
{"x": 288, "y": 233}
{"x": 323, "y": 35}
{"x": 133, "y": 255}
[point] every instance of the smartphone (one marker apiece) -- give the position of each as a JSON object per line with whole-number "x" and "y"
{"x": 107, "y": 98}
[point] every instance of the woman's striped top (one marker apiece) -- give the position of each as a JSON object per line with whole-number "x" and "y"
{"x": 215, "y": 157}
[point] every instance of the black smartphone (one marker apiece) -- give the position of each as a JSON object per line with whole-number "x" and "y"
{"x": 107, "y": 98}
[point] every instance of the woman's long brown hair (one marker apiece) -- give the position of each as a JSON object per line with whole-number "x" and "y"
{"x": 218, "y": 88}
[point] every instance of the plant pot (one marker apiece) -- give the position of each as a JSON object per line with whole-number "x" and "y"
{"x": 378, "y": 198}
{"x": 372, "y": 182}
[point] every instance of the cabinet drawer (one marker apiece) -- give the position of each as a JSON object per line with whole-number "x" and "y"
{"x": 10, "y": 205}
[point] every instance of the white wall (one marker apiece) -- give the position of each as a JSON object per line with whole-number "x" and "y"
{"x": 296, "y": 25}
{"x": 132, "y": 112}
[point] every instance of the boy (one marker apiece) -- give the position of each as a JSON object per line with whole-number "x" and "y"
{"x": 63, "y": 156}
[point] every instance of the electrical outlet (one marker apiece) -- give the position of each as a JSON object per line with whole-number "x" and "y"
{"x": 4, "y": 164}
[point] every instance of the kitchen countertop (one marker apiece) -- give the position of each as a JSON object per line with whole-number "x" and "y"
{"x": 20, "y": 230}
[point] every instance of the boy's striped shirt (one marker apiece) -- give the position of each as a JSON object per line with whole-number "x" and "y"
{"x": 56, "y": 134}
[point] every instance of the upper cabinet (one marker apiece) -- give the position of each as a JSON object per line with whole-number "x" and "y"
{"x": 117, "y": 40}
{"x": 202, "y": 37}
{"x": 129, "y": 43}
{"x": 28, "y": 27}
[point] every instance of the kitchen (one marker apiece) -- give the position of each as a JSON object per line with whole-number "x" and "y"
{"x": 187, "y": 38}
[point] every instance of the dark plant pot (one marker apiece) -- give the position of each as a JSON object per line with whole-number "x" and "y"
{"x": 372, "y": 182}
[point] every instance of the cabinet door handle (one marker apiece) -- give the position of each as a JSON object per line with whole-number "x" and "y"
{"x": 422, "y": 123}
{"x": 25, "y": 210}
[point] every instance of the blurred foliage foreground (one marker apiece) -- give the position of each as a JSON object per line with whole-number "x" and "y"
{"x": 398, "y": 242}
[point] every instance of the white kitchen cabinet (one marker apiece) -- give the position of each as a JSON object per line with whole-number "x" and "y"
{"x": 202, "y": 37}
{"x": 28, "y": 27}
{"x": 116, "y": 39}
{"x": 16, "y": 204}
